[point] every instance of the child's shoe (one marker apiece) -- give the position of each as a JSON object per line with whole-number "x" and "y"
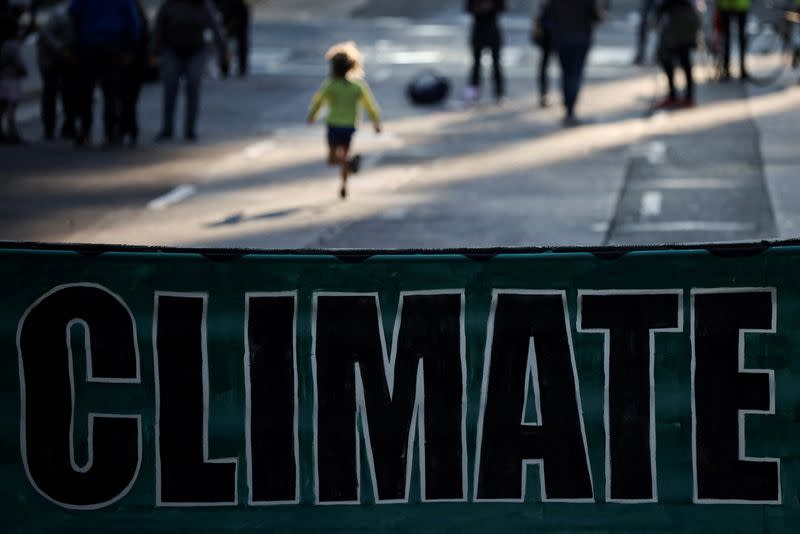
{"x": 343, "y": 192}
{"x": 667, "y": 103}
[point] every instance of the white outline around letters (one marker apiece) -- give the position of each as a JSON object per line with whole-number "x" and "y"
{"x": 484, "y": 390}
{"x": 248, "y": 402}
{"x": 606, "y": 365}
{"x": 742, "y": 413}
{"x": 418, "y": 414}
{"x": 204, "y": 346}
{"x": 92, "y": 415}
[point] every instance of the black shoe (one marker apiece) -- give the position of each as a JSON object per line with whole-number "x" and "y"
{"x": 15, "y": 139}
{"x": 163, "y": 136}
{"x": 355, "y": 163}
{"x": 68, "y": 132}
{"x": 571, "y": 121}
{"x": 343, "y": 192}
{"x": 190, "y": 137}
{"x": 49, "y": 135}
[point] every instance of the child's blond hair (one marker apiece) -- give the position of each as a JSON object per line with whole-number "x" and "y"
{"x": 349, "y": 49}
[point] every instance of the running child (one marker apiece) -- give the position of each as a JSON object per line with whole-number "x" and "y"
{"x": 343, "y": 92}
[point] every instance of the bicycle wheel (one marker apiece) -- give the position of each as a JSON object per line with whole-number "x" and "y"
{"x": 768, "y": 52}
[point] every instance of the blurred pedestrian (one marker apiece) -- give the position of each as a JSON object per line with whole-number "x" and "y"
{"x": 12, "y": 71}
{"x": 572, "y": 24}
{"x": 679, "y": 23}
{"x": 105, "y": 33}
{"x": 486, "y": 34}
{"x": 731, "y": 11}
{"x": 645, "y": 9}
{"x": 179, "y": 39}
{"x": 541, "y": 37}
{"x": 133, "y": 76}
{"x": 343, "y": 92}
{"x": 56, "y": 58}
{"x": 236, "y": 20}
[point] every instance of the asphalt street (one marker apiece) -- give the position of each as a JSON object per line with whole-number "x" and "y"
{"x": 444, "y": 177}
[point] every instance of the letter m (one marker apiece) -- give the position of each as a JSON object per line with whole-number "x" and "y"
{"x": 415, "y": 393}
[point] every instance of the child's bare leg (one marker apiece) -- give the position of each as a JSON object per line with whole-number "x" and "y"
{"x": 332, "y": 156}
{"x": 345, "y": 169}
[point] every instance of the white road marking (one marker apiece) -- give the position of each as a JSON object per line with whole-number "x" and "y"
{"x": 179, "y": 194}
{"x": 655, "y": 152}
{"x": 651, "y": 204}
{"x": 687, "y": 226}
{"x": 691, "y": 183}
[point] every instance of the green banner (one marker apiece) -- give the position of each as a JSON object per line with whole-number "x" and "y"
{"x": 472, "y": 391}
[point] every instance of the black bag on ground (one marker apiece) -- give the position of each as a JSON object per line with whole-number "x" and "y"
{"x": 428, "y": 88}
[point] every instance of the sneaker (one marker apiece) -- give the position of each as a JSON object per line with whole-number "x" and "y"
{"x": 667, "y": 103}
{"x": 571, "y": 121}
{"x": 355, "y": 163}
{"x": 471, "y": 94}
{"x": 190, "y": 137}
{"x": 686, "y": 103}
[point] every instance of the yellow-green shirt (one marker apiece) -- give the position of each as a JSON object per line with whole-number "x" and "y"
{"x": 343, "y": 98}
{"x": 735, "y": 5}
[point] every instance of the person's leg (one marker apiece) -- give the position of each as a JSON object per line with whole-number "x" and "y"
{"x": 344, "y": 168}
{"x": 243, "y": 41}
{"x": 497, "y": 68}
{"x": 170, "y": 77}
{"x": 68, "y": 101}
{"x": 194, "y": 77}
{"x": 84, "y": 95}
{"x": 685, "y": 57}
{"x": 725, "y": 22}
{"x": 741, "y": 26}
{"x": 641, "y": 44}
{"x": 475, "y": 76}
{"x": 665, "y": 57}
{"x": 48, "y": 100}
{"x": 111, "y": 73}
{"x": 544, "y": 79}
{"x": 566, "y": 59}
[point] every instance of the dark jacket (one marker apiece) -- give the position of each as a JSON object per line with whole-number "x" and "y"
{"x": 679, "y": 24}
{"x": 573, "y": 20}
{"x": 112, "y": 24}
{"x": 181, "y": 25}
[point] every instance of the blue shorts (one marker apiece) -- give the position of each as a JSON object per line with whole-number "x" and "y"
{"x": 340, "y": 136}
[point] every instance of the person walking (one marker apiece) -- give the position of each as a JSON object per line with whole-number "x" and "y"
{"x": 486, "y": 34}
{"x": 56, "y": 58}
{"x": 541, "y": 37}
{"x": 180, "y": 41}
{"x": 105, "y": 32}
{"x": 679, "y": 22}
{"x": 12, "y": 71}
{"x": 236, "y": 19}
{"x": 133, "y": 75}
{"x": 734, "y": 11}
{"x": 572, "y": 24}
{"x": 343, "y": 92}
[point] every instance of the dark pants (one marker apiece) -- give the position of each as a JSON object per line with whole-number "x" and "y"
{"x": 684, "y": 55}
{"x": 132, "y": 80}
{"x": 58, "y": 83}
{"x": 240, "y": 31}
{"x": 645, "y": 8}
{"x": 101, "y": 66}
{"x": 727, "y": 19}
{"x": 175, "y": 67}
{"x": 487, "y": 37}
{"x": 544, "y": 62}
{"x": 572, "y": 56}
